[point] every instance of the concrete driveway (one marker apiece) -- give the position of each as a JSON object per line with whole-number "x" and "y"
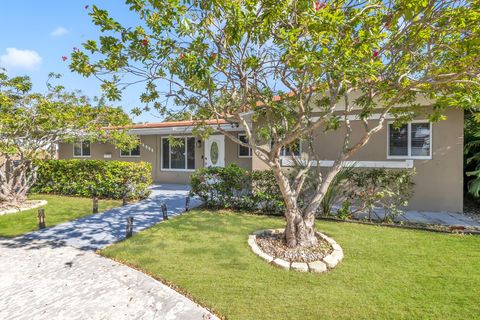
{"x": 55, "y": 273}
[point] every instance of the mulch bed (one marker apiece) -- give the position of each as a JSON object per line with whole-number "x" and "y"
{"x": 273, "y": 245}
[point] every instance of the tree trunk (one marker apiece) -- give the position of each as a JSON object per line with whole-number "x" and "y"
{"x": 299, "y": 231}
{"x": 15, "y": 181}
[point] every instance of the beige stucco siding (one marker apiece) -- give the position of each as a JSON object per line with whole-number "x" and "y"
{"x": 148, "y": 145}
{"x": 438, "y": 181}
{"x": 151, "y": 151}
{"x": 231, "y": 154}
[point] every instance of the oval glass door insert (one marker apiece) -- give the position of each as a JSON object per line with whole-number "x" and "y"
{"x": 214, "y": 153}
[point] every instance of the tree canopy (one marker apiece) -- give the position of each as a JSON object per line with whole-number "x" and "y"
{"x": 295, "y": 65}
{"x": 32, "y": 124}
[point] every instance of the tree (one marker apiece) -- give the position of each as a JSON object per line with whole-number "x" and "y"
{"x": 292, "y": 66}
{"x": 32, "y": 124}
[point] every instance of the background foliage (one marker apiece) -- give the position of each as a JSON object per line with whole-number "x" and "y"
{"x": 360, "y": 190}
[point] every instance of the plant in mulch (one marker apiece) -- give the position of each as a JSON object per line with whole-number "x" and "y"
{"x": 274, "y": 245}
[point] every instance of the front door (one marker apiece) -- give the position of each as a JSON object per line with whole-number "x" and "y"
{"x": 215, "y": 151}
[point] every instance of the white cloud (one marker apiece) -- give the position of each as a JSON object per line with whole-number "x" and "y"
{"x": 58, "y": 32}
{"x": 20, "y": 59}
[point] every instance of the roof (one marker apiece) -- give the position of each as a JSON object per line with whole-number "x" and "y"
{"x": 172, "y": 124}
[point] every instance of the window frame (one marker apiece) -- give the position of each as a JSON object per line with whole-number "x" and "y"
{"x": 130, "y": 154}
{"x": 283, "y": 151}
{"x": 170, "y": 154}
{"x": 81, "y": 149}
{"x": 250, "y": 151}
{"x": 409, "y": 141}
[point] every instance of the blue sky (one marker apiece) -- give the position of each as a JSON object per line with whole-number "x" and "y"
{"x": 36, "y": 34}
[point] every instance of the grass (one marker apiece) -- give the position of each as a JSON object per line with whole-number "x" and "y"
{"x": 59, "y": 209}
{"x": 387, "y": 273}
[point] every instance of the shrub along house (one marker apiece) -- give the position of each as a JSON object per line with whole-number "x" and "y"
{"x": 434, "y": 150}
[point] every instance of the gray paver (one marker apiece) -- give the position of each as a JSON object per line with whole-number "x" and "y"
{"x": 424, "y": 217}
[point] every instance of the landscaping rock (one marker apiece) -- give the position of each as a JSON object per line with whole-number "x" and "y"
{"x": 334, "y": 258}
{"x": 27, "y": 205}
{"x": 281, "y": 263}
{"x": 257, "y": 250}
{"x": 299, "y": 266}
{"x": 317, "y": 266}
{"x": 270, "y": 246}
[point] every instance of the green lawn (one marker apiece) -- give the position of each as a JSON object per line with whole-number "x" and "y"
{"x": 59, "y": 209}
{"x": 386, "y": 274}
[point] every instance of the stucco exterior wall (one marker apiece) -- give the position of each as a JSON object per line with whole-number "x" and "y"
{"x": 151, "y": 151}
{"x": 439, "y": 181}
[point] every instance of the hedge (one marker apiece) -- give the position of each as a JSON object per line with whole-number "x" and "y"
{"x": 105, "y": 179}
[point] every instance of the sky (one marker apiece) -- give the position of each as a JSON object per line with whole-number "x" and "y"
{"x": 37, "y": 33}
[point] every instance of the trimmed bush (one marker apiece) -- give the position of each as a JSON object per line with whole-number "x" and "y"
{"x": 236, "y": 188}
{"x": 87, "y": 178}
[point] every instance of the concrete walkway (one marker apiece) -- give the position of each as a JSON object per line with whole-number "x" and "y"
{"x": 55, "y": 274}
{"x": 99, "y": 230}
{"x": 449, "y": 219}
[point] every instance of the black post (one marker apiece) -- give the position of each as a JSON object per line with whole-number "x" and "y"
{"x": 187, "y": 203}
{"x": 163, "y": 206}
{"x": 129, "y": 232}
{"x": 124, "y": 200}
{"x": 41, "y": 218}
{"x": 95, "y": 204}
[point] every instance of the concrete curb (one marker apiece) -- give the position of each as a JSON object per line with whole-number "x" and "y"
{"x": 38, "y": 204}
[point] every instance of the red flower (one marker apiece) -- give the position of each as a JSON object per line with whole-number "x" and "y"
{"x": 319, "y": 5}
{"x": 375, "y": 54}
{"x": 145, "y": 42}
{"x": 64, "y": 58}
{"x": 182, "y": 56}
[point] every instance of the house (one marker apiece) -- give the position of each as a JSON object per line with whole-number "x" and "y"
{"x": 435, "y": 150}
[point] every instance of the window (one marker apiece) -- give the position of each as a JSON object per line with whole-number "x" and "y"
{"x": 81, "y": 149}
{"x": 244, "y": 152}
{"x": 135, "y": 152}
{"x": 412, "y": 140}
{"x": 179, "y": 155}
{"x": 292, "y": 150}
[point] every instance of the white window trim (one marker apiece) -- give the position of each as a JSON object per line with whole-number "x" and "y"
{"x": 409, "y": 142}
{"x": 170, "y": 154}
{"x": 238, "y": 147}
{"x": 81, "y": 148}
{"x": 130, "y": 154}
